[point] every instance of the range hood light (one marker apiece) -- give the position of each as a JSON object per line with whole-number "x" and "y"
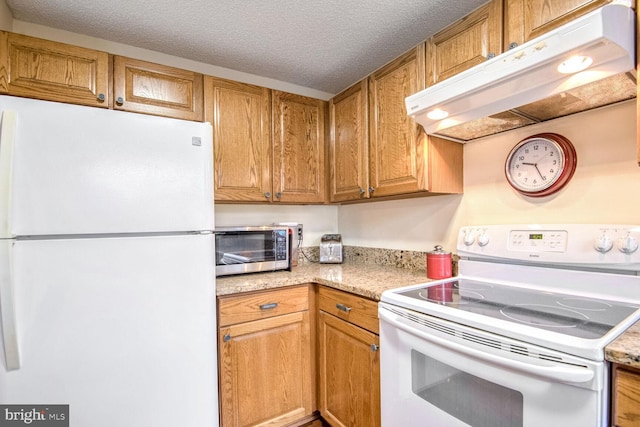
{"x": 574, "y": 64}
{"x": 529, "y": 72}
{"x": 437, "y": 114}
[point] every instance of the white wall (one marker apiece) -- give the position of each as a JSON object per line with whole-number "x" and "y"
{"x": 316, "y": 220}
{"x": 605, "y": 188}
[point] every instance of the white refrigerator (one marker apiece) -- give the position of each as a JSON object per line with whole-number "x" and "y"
{"x": 107, "y": 269}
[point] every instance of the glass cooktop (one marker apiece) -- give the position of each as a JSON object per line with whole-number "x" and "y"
{"x": 563, "y": 313}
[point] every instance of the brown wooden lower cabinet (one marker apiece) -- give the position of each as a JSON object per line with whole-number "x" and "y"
{"x": 266, "y": 373}
{"x": 626, "y": 392}
{"x": 349, "y": 361}
{"x": 267, "y": 344}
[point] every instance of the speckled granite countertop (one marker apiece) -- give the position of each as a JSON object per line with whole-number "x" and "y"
{"x": 365, "y": 280}
{"x": 625, "y": 350}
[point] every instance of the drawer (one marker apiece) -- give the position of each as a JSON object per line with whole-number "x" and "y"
{"x": 358, "y": 310}
{"x": 247, "y": 307}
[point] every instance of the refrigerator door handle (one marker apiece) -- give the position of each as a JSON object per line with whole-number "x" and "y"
{"x": 7, "y": 137}
{"x": 7, "y": 307}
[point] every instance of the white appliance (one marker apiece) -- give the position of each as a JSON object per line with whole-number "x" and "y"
{"x": 517, "y": 338}
{"x": 530, "y": 72}
{"x": 107, "y": 282}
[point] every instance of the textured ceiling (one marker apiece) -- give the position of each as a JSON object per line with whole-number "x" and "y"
{"x": 323, "y": 45}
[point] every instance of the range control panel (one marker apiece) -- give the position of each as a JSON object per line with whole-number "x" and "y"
{"x": 537, "y": 241}
{"x": 601, "y": 245}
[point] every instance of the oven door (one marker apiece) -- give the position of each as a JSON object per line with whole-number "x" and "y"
{"x": 441, "y": 374}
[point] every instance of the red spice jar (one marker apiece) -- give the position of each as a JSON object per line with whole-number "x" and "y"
{"x": 438, "y": 263}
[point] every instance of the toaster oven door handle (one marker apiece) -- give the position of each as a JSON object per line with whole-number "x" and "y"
{"x": 268, "y": 306}
{"x": 555, "y": 372}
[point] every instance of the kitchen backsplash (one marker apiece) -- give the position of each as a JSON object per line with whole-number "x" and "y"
{"x": 411, "y": 260}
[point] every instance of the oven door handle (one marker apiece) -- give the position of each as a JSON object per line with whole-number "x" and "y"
{"x": 557, "y": 373}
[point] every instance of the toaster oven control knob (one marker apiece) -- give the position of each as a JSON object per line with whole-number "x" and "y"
{"x": 603, "y": 244}
{"x": 483, "y": 239}
{"x": 469, "y": 238}
{"x": 628, "y": 245}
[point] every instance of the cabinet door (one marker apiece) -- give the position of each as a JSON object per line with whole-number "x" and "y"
{"x": 298, "y": 148}
{"x": 240, "y": 116}
{"x": 265, "y": 371}
{"x": 626, "y": 397}
{"x": 43, "y": 69}
{"x": 528, "y": 19}
{"x": 466, "y": 43}
{"x": 144, "y": 87}
{"x": 349, "y": 373}
{"x": 396, "y": 155}
{"x": 348, "y": 149}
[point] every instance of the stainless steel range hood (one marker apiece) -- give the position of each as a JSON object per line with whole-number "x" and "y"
{"x": 523, "y": 86}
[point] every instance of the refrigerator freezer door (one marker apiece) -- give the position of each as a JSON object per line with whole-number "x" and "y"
{"x": 82, "y": 170}
{"x": 121, "y": 329}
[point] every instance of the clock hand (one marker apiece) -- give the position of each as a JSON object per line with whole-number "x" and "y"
{"x": 539, "y": 173}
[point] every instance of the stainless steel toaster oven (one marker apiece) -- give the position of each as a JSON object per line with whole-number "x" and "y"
{"x": 251, "y": 249}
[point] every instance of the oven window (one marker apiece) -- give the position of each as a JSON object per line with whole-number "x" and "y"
{"x": 470, "y": 399}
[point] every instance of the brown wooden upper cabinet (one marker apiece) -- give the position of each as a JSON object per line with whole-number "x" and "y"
{"x": 37, "y": 68}
{"x": 349, "y": 145}
{"x": 402, "y": 159}
{"x": 240, "y": 115}
{"x": 466, "y": 43}
{"x": 298, "y": 148}
{"x": 145, "y": 87}
{"x": 528, "y": 19}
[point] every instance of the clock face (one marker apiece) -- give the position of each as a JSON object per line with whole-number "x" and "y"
{"x": 540, "y": 165}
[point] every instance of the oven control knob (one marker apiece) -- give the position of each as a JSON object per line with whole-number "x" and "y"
{"x": 628, "y": 245}
{"x": 469, "y": 238}
{"x": 483, "y": 239}
{"x": 603, "y": 244}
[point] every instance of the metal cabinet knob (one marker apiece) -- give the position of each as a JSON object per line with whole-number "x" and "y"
{"x": 278, "y": 195}
{"x": 267, "y": 195}
{"x": 269, "y": 306}
{"x": 361, "y": 191}
{"x": 119, "y": 100}
{"x": 513, "y": 45}
{"x": 374, "y": 347}
{"x": 371, "y": 189}
{"x": 226, "y": 338}
{"x": 101, "y": 97}
{"x": 343, "y": 307}
{"x": 491, "y": 55}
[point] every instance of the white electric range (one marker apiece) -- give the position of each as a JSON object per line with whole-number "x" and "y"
{"x": 518, "y": 337}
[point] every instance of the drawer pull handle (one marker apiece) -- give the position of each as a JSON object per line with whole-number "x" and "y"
{"x": 343, "y": 307}
{"x": 268, "y": 306}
